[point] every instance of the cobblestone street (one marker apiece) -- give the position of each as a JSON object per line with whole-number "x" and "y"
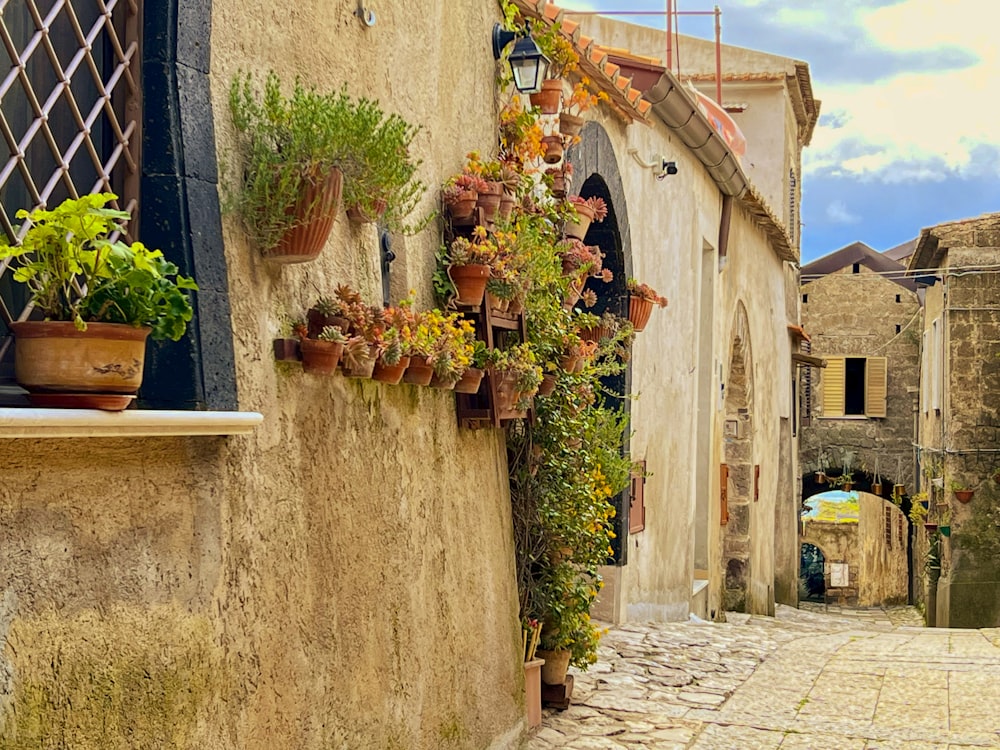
{"x": 806, "y": 680}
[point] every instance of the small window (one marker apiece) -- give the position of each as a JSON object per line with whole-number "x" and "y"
{"x": 856, "y": 268}
{"x": 899, "y": 328}
{"x": 805, "y": 298}
{"x": 899, "y": 298}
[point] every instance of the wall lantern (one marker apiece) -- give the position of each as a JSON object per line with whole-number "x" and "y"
{"x": 527, "y": 62}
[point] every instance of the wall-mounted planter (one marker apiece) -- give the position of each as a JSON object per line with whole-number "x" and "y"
{"x": 964, "y": 496}
{"x": 945, "y": 530}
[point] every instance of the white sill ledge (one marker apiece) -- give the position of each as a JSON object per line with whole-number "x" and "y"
{"x": 91, "y": 423}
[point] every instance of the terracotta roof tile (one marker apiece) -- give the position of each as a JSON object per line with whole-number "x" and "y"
{"x": 624, "y": 99}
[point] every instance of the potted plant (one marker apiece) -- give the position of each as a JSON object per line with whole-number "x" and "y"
{"x": 588, "y": 210}
{"x": 321, "y": 355}
{"x": 580, "y": 100}
{"x": 295, "y": 151}
{"x": 642, "y": 297}
{"x": 454, "y": 351}
{"x": 563, "y": 60}
{"x": 460, "y": 196}
{"x": 520, "y": 134}
{"x": 962, "y": 492}
{"x": 518, "y": 376}
{"x": 466, "y": 264}
{"x": 100, "y": 299}
{"x": 394, "y": 358}
{"x": 472, "y": 378}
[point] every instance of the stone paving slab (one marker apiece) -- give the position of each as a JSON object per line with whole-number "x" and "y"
{"x": 809, "y": 679}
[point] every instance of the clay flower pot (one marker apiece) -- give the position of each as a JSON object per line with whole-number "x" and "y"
{"x": 470, "y": 381}
{"x": 570, "y": 125}
{"x": 964, "y": 496}
{"x": 579, "y": 228}
{"x": 365, "y": 368}
{"x": 304, "y": 240}
{"x": 553, "y": 145}
{"x": 320, "y": 357}
{"x": 462, "y": 210}
{"x": 419, "y": 372}
{"x": 390, "y": 374}
{"x": 489, "y": 201}
{"x": 547, "y": 386}
{"x": 549, "y": 98}
{"x": 507, "y": 203}
{"x": 357, "y": 215}
{"x": 639, "y": 310}
{"x": 470, "y": 282}
{"x": 556, "y": 666}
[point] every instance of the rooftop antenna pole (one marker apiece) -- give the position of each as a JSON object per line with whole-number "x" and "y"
{"x": 670, "y": 24}
{"x": 718, "y": 55}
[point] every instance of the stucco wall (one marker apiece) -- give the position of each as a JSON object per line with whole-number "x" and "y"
{"x": 884, "y": 577}
{"x": 341, "y": 578}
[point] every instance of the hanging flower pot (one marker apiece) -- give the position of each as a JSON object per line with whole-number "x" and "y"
{"x": 553, "y": 145}
{"x": 314, "y": 213}
{"x": 470, "y": 282}
{"x": 570, "y": 125}
{"x": 639, "y": 310}
{"x": 569, "y": 362}
{"x": 877, "y": 489}
{"x": 964, "y": 495}
{"x": 945, "y": 530}
{"x": 489, "y": 200}
{"x": 899, "y": 489}
{"x": 470, "y": 381}
{"x": 359, "y": 216}
{"x": 462, "y": 207}
{"x": 419, "y": 372}
{"x": 820, "y": 477}
{"x": 390, "y": 374}
{"x": 549, "y": 98}
{"x": 547, "y": 386}
{"x": 320, "y": 357}
{"x": 507, "y": 203}
{"x": 579, "y": 228}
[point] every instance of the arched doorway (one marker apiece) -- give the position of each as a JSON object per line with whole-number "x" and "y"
{"x": 594, "y": 162}
{"x": 738, "y": 452}
{"x": 812, "y": 574}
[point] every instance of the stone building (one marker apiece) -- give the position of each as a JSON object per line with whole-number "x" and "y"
{"x": 864, "y": 319}
{"x": 863, "y": 541}
{"x": 959, "y": 419}
{"x": 313, "y": 563}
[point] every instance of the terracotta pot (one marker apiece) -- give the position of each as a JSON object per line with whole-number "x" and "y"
{"x": 507, "y": 203}
{"x": 462, "y": 211}
{"x": 318, "y": 321}
{"x": 548, "y": 385}
{"x": 553, "y": 146}
{"x": 569, "y": 362}
{"x": 820, "y": 477}
{"x": 53, "y": 356}
{"x": 363, "y": 369}
{"x": 470, "y": 282}
{"x": 848, "y": 486}
{"x": 507, "y": 393}
{"x": 899, "y": 489}
{"x": 556, "y": 666}
{"x": 572, "y": 295}
{"x": 570, "y": 125}
{"x": 639, "y": 310}
{"x": 320, "y": 357}
{"x": 471, "y": 381}
{"x": 964, "y": 496}
{"x": 358, "y": 215}
{"x": 559, "y": 186}
{"x": 419, "y": 372}
{"x": 445, "y": 384}
{"x": 579, "y": 228}
{"x": 390, "y": 374}
{"x": 549, "y": 98}
{"x": 314, "y": 212}
{"x": 495, "y": 303}
{"x": 287, "y": 350}
{"x": 533, "y": 691}
{"x": 516, "y": 306}
{"x": 877, "y": 489}
{"x": 489, "y": 201}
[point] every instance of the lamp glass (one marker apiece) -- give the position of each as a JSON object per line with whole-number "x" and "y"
{"x": 528, "y": 65}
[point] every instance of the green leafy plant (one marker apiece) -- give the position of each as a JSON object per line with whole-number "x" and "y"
{"x": 76, "y": 272}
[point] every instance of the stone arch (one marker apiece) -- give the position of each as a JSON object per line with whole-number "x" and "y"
{"x": 738, "y": 450}
{"x": 596, "y": 173}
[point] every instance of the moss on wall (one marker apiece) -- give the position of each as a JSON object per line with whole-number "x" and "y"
{"x": 128, "y": 678}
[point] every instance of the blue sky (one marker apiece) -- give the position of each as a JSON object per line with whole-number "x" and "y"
{"x": 909, "y": 133}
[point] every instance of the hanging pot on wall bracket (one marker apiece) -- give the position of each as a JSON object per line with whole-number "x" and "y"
{"x": 964, "y": 495}
{"x": 315, "y": 211}
{"x": 553, "y": 145}
{"x": 549, "y": 98}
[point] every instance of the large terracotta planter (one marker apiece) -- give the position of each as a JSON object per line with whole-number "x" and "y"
{"x": 579, "y": 228}
{"x": 53, "y": 356}
{"x": 390, "y": 374}
{"x": 533, "y": 691}
{"x": 556, "y": 666}
{"x": 470, "y": 381}
{"x": 314, "y": 212}
{"x": 470, "y": 283}
{"x": 639, "y": 310}
{"x": 570, "y": 125}
{"x": 549, "y": 98}
{"x": 320, "y": 357}
{"x": 964, "y": 496}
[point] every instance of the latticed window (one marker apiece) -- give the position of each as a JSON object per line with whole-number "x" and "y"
{"x": 69, "y": 115}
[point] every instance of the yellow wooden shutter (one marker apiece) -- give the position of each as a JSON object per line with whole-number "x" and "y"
{"x": 875, "y": 389}
{"x": 833, "y": 387}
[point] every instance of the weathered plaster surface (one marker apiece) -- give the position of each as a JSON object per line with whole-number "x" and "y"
{"x": 341, "y": 578}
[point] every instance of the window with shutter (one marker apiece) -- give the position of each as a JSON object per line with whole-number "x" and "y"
{"x": 875, "y": 386}
{"x": 833, "y": 387}
{"x": 925, "y": 375}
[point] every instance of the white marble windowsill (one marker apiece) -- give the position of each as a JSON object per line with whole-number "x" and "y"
{"x": 90, "y": 423}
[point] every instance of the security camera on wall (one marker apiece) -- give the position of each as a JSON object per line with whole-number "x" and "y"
{"x": 667, "y": 168}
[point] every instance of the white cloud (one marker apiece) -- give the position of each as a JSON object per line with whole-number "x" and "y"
{"x": 837, "y": 212}
{"x": 924, "y": 125}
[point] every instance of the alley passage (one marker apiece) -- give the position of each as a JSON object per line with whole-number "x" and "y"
{"x": 804, "y": 680}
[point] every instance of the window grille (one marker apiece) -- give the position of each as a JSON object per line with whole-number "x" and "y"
{"x": 69, "y": 116}
{"x": 888, "y": 528}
